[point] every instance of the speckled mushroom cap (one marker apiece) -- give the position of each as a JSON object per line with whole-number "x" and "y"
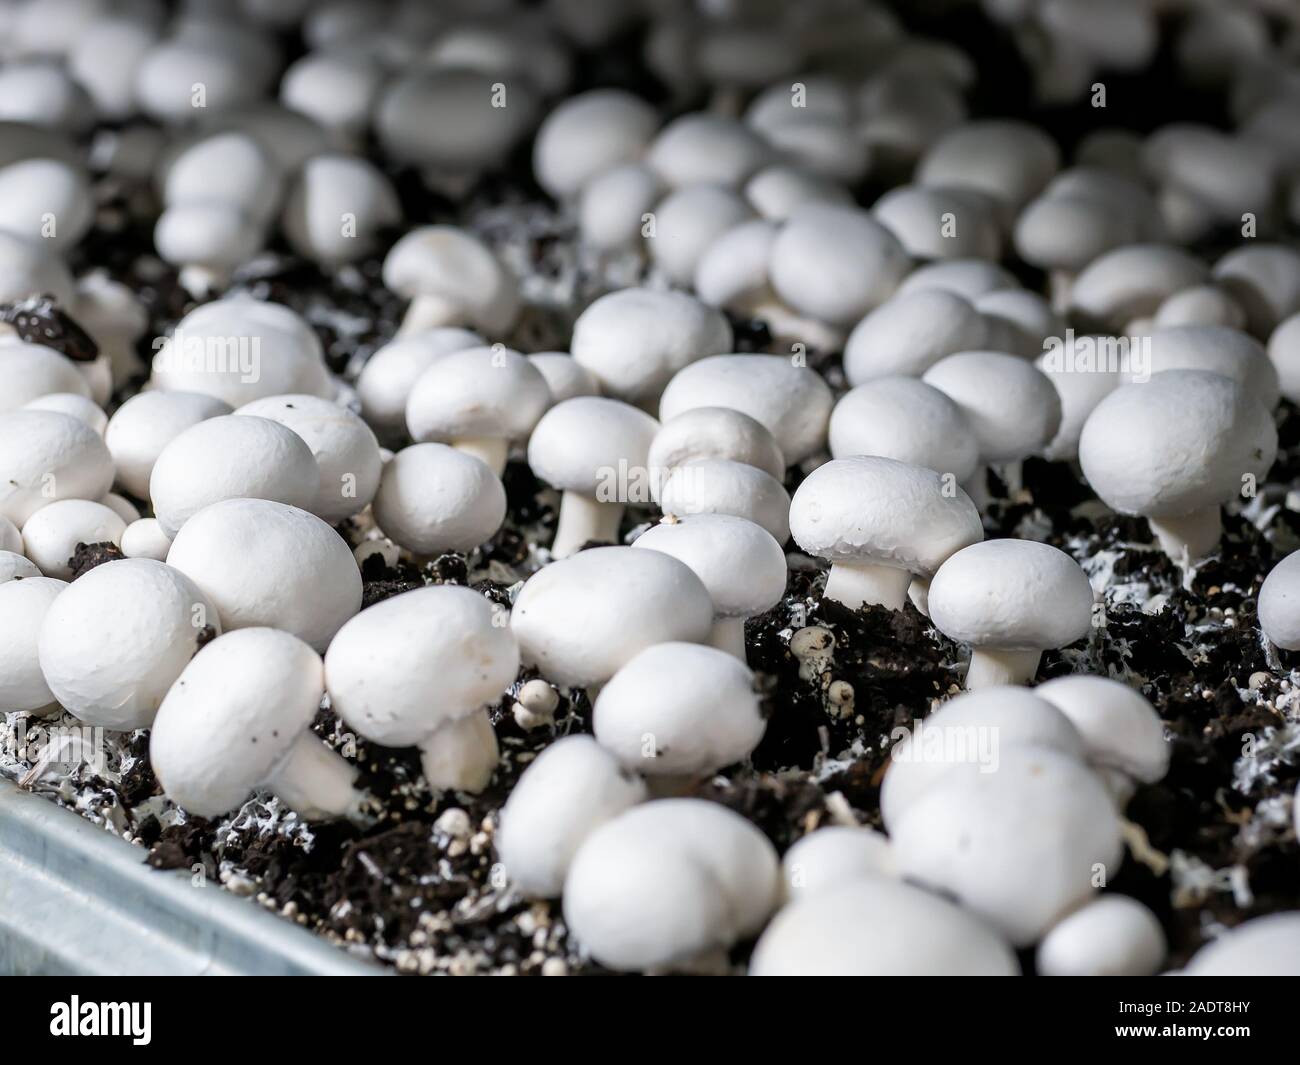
{"x": 1262, "y": 946}
{"x": 459, "y": 270}
{"x": 715, "y": 433}
{"x": 883, "y": 512}
{"x": 1011, "y": 406}
{"x": 701, "y": 148}
{"x": 116, "y": 639}
{"x": 666, "y": 881}
{"x": 267, "y": 563}
{"x": 390, "y": 373}
{"x": 1007, "y": 160}
{"x": 792, "y": 402}
{"x": 910, "y": 333}
{"x": 581, "y": 618}
{"x": 23, "y": 607}
{"x": 1279, "y": 603}
{"x": 410, "y": 663}
{"x": 580, "y": 442}
{"x": 740, "y": 563}
{"x": 721, "y": 486}
{"x": 239, "y": 349}
{"x": 835, "y": 263}
{"x": 477, "y": 392}
{"x": 1120, "y": 729}
{"x": 44, "y": 456}
{"x": 635, "y": 339}
{"x": 1019, "y": 848}
{"x": 1011, "y": 594}
{"x": 878, "y": 926}
{"x": 1220, "y": 350}
{"x": 1012, "y": 714}
{"x": 917, "y": 216}
{"x": 1177, "y": 444}
{"x": 145, "y": 424}
{"x": 905, "y": 419}
{"x": 568, "y": 791}
{"x": 1131, "y": 282}
{"x": 232, "y": 716}
{"x": 588, "y": 134}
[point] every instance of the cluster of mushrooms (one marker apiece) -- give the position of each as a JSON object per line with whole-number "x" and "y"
{"x": 243, "y": 484}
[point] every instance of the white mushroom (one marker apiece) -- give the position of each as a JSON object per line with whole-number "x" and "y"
{"x": 969, "y": 278}
{"x": 1218, "y": 349}
{"x": 614, "y": 207}
{"x": 145, "y": 424}
{"x": 388, "y": 376}
{"x": 1201, "y": 305}
{"x": 566, "y": 378}
{"x": 14, "y": 566}
{"x": 833, "y": 856}
{"x": 775, "y": 191}
{"x": 1018, "y": 321}
{"x": 31, "y": 269}
{"x": 589, "y": 134}
{"x": 46, "y": 200}
{"x": 686, "y": 222}
{"x": 45, "y": 456}
{"x": 1131, "y": 282}
{"x": 433, "y": 498}
{"x": 1279, "y": 604}
{"x": 938, "y": 223}
{"x": 1111, "y": 936}
{"x": 32, "y": 371}
{"x": 1262, "y": 946}
{"x": 238, "y": 718}
{"x": 1008, "y": 161}
{"x": 1121, "y": 731}
{"x": 880, "y": 522}
{"x": 1084, "y": 370}
{"x": 85, "y": 410}
{"x": 1010, "y": 600}
{"x": 713, "y": 433}
{"x": 51, "y": 535}
{"x": 23, "y": 606}
{"x": 145, "y": 538}
{"x": 419, "y": 669}
{"x": 336, "y": 208}
{"x": 910, "y": 333}
{"x": 721, "y": 486}
{"x": 451, "y": 278}
{"x": 1265, "y": 279}
{"x": 337, "y": 88}
{"x": 572, "y": 788}
{"x": 704, "y": 149}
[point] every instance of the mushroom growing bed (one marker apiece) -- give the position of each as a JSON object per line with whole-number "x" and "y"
{"x": 373, "y": 818}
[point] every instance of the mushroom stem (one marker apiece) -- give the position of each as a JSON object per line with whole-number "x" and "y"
{"x": 728, "y": 634}
{"x": 1189, "y": 536}
{"x": 201, "y": 281}
{"x": 990, "y": 666}
{"x": 919, "y": 592}
{"x": 429, "y": 312}
{"x": 1013, "y": 476}
{"x": 977, "y": 487}
{"x": 316, "y": 782}
{"x": 1060, "y": 285}
{"x": 461, "y": 755}
{"x": 492, "y": 450}
{"x": 583, "y": 518}
{"x": 854, "y": 584}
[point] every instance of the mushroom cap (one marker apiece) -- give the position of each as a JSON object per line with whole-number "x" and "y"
{"x": 740, "y": 563}
{"x": 232, "y": 717}
{"x": 40, "y": 92}
{"x": 1007, "y": 160}
{"x": 588, "y": 134}
{"x": 329, "y": 191}
{"x": 665, "y": 881}
{"x": 228, "y": 167}
{"x": 1015, "y": 595}
{"x": 687, "y": 222}
{"x": 830, "y": 857}
{"x": 1284, "y": 353}
{"x": 231, "y": 457}
{"x": 701, "y": 148}
{"x": 1018, "y": 848}
{"x": 239, "y": 349}
{"x": 345, "y": 450}
{"x": 75, "y": 405}
{"x": 1265, "y": 279}
{"x": 1201, "y": 305}
{"x": 734, "y": 268}
{"x": 457, "y": 268}
{"x": 720, "y": 486}
{"x": 634, "y": 340}
{"x": 31, "y": 269}
{"x": 1066, "y": 231}
{"x": 43, "y": 452}
{"x": 223, "y": 63}
{"x": 415, "y": 661}
{"x": 144, "y": 538}
{"x": 23, "y": 607}
{"x": 1262, "y": 946}
{"x": 566, "y": 378}
{"x": 1175, "y": 445}
{"x": 680, "y": 709}
{"x": 34, "y": 191}
{"x": 569, "y": 790}
{"x": 905, "y": 419}
{"x": 32, "y": 371}
{"x": 971, "y": 729}
{"x": 882, "y": 512}
{"x": 1079, "y": 390}
{"x": 1111, "y": 936}
{"x": 1131, "y": 282}
{"x": 715, "y": 433}
{"x": 918, "y": 215}
{"x": 146, "y": 423}
{"x": 10, "y": 538}
{"x": 910, "y": 333}
{"x": 1120, "y": 729}
{"x": 115, "y": 640}
{"x": 878, "y": 926}
{"x": 835, "y": 263}
{"x": 792, "y": 402}
{"x": 390, "y": 373}
{"x": 289, "y": 137}
{"x": 1279, "y": 603}
{"x": 489, "y": 392}
{"x": 51, "y": 535}
{"x": 210, "y": 233}
{"x": 1011, "y": 406}
{"x": 580, "y": 619}
{"x": 776, "y": 191}
{"x": 15, "y": 566}
{"x": 1219, "y": 349}
{"x": 1018, "y": 321}
{"x": 337, "y": 89}
{"x": 971, "y": 278}
{"x": 580, "y": 443}
{"x": 613, "y": 205}
{"x": 433, "y": 498}
{"x": 266, "y": 563}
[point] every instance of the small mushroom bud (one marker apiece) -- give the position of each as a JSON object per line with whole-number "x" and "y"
{"x": 382, "y": 665}
{"x": 233, "y": 64}
{"x": 23, "y": 606}
{"x": 239, "y": 718}
{"x": 145, "y": 424}
{"x": 46, "y": 456}
{"x": 51, "y": 535}
{"x": 1284, "y": 353}
{"x": 433, "y": 498}
{"x": 833, "y": 856}
{"x": 144, "y": 538}
{"x": 1111, "y": 936}
{"x": 390, "y": 373}
{"x": 14, "y": 566}
{"x": 1279, "y": 604}
{"x": 572, "y": 788}
{"x": 451, "y": 278}
{"x": 910, "y": 333}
